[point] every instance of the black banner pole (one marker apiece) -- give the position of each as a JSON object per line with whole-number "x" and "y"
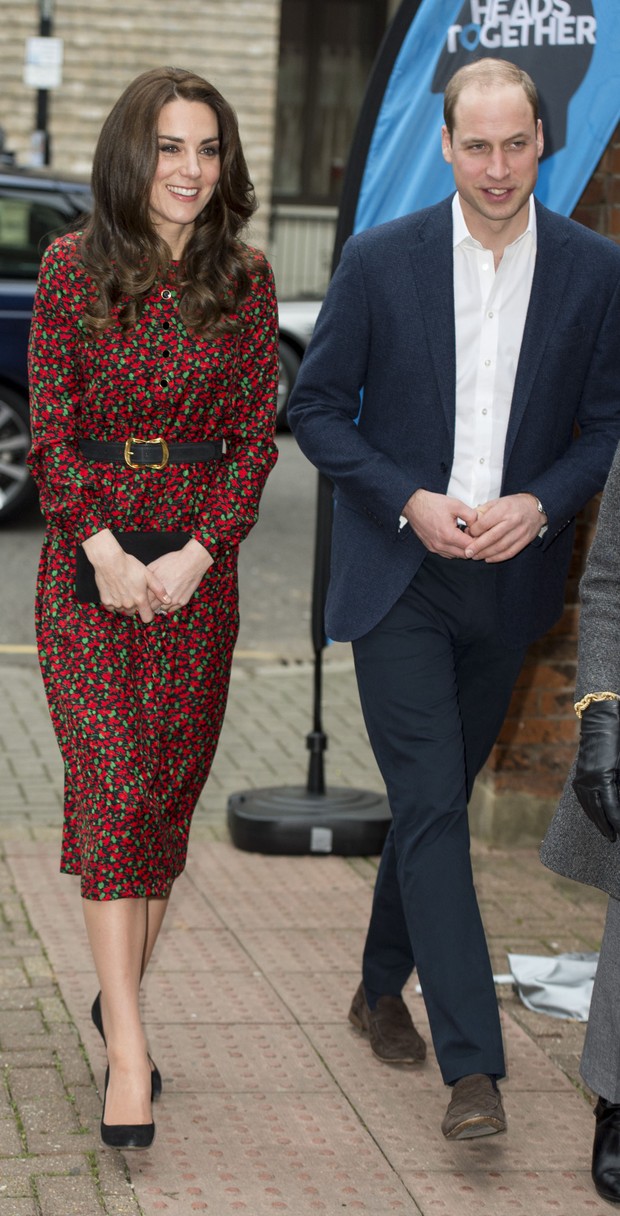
{"x": 46, "y": 9}
{"x": 316, "y": 818}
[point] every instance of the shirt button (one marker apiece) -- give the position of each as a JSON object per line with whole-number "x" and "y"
{"x": 166, "y": 354}
{"x": 490, "y": 316}
{"x": 487, "y": 363}
{"x": 164, "y": 383}
{"x": 166, "y": 295}
{"x": 485, "y": 411}
{"x": 165, "y": 325}
{"x": 481, "y": 461}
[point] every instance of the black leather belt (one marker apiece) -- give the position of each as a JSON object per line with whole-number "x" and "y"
{"x": 150, "y": 453}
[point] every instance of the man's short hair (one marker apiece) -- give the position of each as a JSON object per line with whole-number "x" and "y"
{"x": 486, "y": 73}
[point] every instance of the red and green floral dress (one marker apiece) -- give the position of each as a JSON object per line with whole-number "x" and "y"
{"x": 137, "y": 709}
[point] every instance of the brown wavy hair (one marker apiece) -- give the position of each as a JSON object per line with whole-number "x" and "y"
{"x": 120, "y": 247}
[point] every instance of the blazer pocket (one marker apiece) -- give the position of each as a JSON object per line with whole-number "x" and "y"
{"x": 342, "y": 503}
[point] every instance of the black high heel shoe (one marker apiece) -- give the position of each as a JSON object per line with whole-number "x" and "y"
{"x": 156, "y": 1081}
{"x": 124, "y": 1135}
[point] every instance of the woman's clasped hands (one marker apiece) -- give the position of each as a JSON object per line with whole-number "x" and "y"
{"x": 129, "y": 588}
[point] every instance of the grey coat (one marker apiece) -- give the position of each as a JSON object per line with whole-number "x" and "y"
{"x": 573, "y": 846}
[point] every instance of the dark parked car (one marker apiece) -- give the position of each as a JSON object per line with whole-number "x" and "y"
{"x": 34, "y": 208}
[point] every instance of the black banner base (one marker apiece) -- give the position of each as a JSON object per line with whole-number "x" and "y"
{"x": 292, "y": 822}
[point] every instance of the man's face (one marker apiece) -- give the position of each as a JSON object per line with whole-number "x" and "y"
{"x": 494, "y": 153}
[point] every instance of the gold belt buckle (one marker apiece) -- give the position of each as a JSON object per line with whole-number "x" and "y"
{"x": 165, "y": 454}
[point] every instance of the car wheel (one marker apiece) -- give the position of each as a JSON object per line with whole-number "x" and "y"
{"x": 289, "y": 366}
{"x": 16, "y": 485}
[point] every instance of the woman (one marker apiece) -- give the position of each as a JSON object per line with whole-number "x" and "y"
{"x": 582, "y": 841}
{"x": 153, "y": 372}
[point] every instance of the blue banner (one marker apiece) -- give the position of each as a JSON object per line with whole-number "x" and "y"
{"x": 571, "y": 48}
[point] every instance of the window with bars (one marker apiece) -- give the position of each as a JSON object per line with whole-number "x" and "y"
{"x": 327, "y": 48}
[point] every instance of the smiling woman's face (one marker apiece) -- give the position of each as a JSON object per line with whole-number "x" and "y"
{"x": 187, "y": 171}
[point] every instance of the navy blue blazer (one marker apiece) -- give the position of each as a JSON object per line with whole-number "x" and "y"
{"x": 387, "y": 328}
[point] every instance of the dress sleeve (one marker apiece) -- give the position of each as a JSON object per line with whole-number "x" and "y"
{"x": 69, "y": 494}
{"x": 230, "y": 508}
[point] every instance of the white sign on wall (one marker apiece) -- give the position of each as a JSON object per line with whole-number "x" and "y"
{"x": 43, "y": 63}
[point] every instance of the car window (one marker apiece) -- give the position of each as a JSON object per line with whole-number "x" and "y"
{"x": 27, "y": 225}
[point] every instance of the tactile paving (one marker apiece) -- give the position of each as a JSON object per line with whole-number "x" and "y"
{"x": 322, "y": 996}
{"x": 280, "y": 892}
{"x": 190, "y": 907}
{"x": 404, "y": 1108}
{"x": 264, "y": 1155}
{"x": 307, "y": 950}
{"x": 238, "y": 1058}
{"x": 238, "y": 996}
{"x": 500, "y": 1192}
{"x": 190, "y": 949}
{"x": 272, "y": 1102}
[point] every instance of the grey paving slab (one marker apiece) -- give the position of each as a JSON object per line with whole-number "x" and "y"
{"x": 11, "y": 1142}
{"x": 46, "y": 1113}
{"x": 68, "y": 1195}
{"x": 19, "y": 1206}
{"x": 20, "y": 1027}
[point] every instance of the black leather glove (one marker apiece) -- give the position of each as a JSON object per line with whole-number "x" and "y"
{"x": 598, "y": 761}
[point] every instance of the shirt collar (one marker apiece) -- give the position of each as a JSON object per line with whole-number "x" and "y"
{"x": 461, "y": 234}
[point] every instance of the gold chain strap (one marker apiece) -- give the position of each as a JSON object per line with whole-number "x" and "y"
{"x": 594, "y": 696}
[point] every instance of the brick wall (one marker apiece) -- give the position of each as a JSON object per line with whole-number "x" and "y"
{"x": 518, "y": 790}
{"x": 234, "y": 43}
{"x": 537, "y": 742}
{"x": 599, "y": 205}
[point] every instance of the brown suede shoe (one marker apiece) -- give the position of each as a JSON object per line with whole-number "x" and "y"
{"x": 475, "y": 1109}
{"x": 393, "y": 1036}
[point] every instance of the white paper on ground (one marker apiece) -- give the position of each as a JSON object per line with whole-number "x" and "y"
{"x": 559, "y": 985}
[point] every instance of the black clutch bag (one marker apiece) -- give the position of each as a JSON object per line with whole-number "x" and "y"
{"x": 146, "y": 546}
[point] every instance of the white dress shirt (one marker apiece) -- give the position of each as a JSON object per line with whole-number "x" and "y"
{"x": 490, "y": 307}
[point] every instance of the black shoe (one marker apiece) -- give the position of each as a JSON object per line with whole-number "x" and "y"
{"x": 606, "y": 1151}
{"x": 156, "y": 1081}
{"x": 125, "y": 1135}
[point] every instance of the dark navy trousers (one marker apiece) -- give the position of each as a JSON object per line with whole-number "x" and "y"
{"x": 435, "y": 681}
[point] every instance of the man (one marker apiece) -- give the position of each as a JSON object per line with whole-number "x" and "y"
{"x": 479, "y": 331}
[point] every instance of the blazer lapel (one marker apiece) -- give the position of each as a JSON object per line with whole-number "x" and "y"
{"x": 431, "y": 259}
{"x": 553, "y": 265}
